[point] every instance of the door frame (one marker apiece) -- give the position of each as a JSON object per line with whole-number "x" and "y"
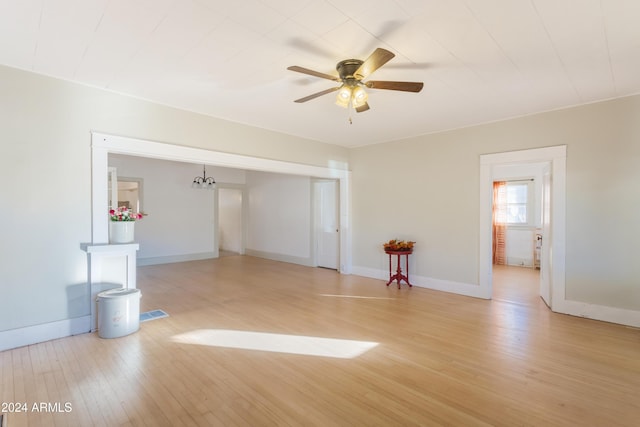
{"x": 545, "y": 229}
{"x": 556, "y": 157}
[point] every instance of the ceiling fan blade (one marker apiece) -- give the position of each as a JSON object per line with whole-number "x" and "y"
{"x": 313, "y": 73}
{"x": 362, "y": 108}
{"x": 377, "y": 59}
{"x": 404, "y": 86}
{"x": 316, "y": 95}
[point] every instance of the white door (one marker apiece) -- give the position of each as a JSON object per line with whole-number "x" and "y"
{"x": 326, "y": 224}
{"x": 545, "y": 259}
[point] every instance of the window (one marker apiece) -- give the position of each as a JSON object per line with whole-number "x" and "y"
{"x": 514, "y": 203}
{"x": 517, "y": 203}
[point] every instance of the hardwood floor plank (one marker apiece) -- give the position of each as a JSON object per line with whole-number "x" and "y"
{"x": 438, "y": 358}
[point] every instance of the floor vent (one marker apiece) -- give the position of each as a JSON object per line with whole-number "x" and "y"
{"x": 152, "y": 315}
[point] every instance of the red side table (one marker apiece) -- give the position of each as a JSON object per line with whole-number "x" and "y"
{"x": 399, "y": 276}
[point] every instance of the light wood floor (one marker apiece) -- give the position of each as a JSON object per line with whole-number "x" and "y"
{"x": 441, "y": 359}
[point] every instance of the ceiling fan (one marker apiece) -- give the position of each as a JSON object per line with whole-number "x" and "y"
{"x": 351, "y": 73}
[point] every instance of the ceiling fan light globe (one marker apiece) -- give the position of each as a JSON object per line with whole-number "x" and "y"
{"x": 342, "y": 103}
{"x": 344, "y": 93}
{"x": 344, "y": 96}
{"x": 360, "y": 96}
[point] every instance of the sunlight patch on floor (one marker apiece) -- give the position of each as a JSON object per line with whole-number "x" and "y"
{"x": 279, "y": 343}
{"x": 353, "y": 296}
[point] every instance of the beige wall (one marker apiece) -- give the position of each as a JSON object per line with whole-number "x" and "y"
{"x": 427, "y": 189}
{"x": 45, "y": 180}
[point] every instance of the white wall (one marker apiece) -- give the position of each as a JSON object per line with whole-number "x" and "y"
{"x": 519, "y": 246}
{"x": 180, "y": 220}
{"x": 179, "y": 224}
{"x": 279, "y": 217}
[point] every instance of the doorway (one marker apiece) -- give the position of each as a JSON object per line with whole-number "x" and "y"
{"x": 230, "y": 221}
{"x": 103, "y": 144}
{"x": 520, "y": 224}
{"x": 552, "y": 258}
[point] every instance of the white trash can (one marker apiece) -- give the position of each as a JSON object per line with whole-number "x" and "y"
{"x": 118, "y": 312}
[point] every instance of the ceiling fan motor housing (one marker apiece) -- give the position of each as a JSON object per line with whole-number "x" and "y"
{"x": 346, "y": 70}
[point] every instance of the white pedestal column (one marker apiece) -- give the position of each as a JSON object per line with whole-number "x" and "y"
{"x": 96, "y": 257}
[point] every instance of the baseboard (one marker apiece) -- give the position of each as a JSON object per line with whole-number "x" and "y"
{"x": 280, "y": 257}
{"x": 598, "y": 312}
{"x": 573, "y": 308}
{"x": 458, "y": 288}
{"x": 208, "y": 255}
{"x": 520, "y": 262}
{"x": 371, "y": 273}
{"x": 28, "y": 335}
{"x": 174, "y": 258}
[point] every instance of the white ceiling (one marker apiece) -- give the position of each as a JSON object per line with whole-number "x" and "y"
{"x": 480, "y": 60}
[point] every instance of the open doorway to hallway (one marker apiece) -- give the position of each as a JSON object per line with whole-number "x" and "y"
{"x": 518, "y": 207}
{"x": 551, "y": 165}
{"x": 230, "y": 221}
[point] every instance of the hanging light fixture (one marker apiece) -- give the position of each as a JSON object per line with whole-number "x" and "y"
{"x": 203, "y": 181}
{"x": 359, "y": 97}
{"x": 344, "y": 96}
{"x": 352, "y": 95}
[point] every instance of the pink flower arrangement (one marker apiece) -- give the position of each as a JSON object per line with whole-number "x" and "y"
{"x": 124, "y": 214}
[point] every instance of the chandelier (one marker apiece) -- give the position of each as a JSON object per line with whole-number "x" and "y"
{"x": 203, "y": 181}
